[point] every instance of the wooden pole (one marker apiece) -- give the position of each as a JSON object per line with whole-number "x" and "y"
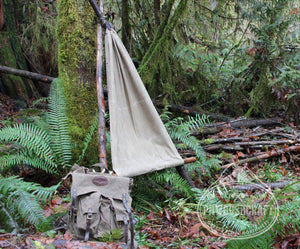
{"x": 100, "y": 94}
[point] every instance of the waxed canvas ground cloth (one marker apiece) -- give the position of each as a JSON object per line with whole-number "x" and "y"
{"x": 139, "y": 141}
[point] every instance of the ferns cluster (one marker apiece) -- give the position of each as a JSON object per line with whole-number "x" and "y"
{"x": 180, "y": 132}
{"x": 286, "y": 224}
{"x": 288, "y": 221}
{"x": 46, "y": 146}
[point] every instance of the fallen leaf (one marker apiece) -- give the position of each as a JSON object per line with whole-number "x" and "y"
{"x": 150, "y": 216}
{"x": 68, "y": 237}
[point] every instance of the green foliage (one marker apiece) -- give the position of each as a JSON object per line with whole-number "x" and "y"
{"x": 44, "y": 144}
{"x": 20, "y": 204}
{"x": 47, "y": 147}
{"x": 180, "y": 132}
{"x": 38, "y": 34}
{"x": 88, "y": 138}
{"x": 288, "y": 221}
{"x": 112, "y": 236}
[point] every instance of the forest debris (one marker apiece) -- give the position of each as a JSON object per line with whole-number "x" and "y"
{"x": 271, "y": 153}
{"x": 239, "y": 123}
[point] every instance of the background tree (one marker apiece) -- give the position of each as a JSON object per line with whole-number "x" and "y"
{"x": 76, "y": 34}
{"x": 11, "y": 53}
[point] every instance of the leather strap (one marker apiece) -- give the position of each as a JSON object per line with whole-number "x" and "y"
{"x": 88, "y": 224}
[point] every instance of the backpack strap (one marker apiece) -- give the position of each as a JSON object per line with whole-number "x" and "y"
{"x": 88, "y": 224}
{"x": 131, "y": 223}
{"x": 73, "y": 205}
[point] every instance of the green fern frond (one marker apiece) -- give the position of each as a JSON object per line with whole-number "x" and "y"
{"x": 20, "y": 197}
{"x": 58, "y": 124}
{"x": 171, "y": 177}
{"x": 10, "y": 160}
{"x": 181, "y": 131}
{"x": 7, "y": 219}
{"x": 31, "y": 138}
{"x": 88, "y": 138}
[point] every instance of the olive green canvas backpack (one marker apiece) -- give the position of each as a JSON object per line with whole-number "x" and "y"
{"x": 100, "y": 206}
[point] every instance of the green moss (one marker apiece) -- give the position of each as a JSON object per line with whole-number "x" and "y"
{"x": 158, "y": 67}
{"x": 76, "y": 34}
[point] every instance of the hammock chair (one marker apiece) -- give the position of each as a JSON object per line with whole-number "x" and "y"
{"x": 140, "y": 143}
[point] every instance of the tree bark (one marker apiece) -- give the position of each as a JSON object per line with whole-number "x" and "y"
{"x": 156, "y": 5}
{"x": 76, "y": 35}
{"x": 126, "y": 27}
{"x": 1, "y": 14}
{"x": 11, "y": 54}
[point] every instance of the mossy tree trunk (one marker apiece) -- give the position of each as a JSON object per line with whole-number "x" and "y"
{"x": 11, "y": 54}
{"x": 126, "y": 27}
{"x": 76, "y": 34}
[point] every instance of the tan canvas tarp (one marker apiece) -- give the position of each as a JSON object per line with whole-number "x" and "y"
{"x": 139, "y": 140}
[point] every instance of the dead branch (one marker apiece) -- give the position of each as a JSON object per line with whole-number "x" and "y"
{"x": 26, "y": 74}
{"x": 274, "y": 142}
{"x": 261, "y": 185}
{"x": 264, "y": 156}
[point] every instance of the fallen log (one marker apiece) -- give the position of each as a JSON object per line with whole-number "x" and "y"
{"x": 272, "y": 153}
{"x": 26, "y": 74}
{"x": 191, "y": 111}
{"x": 241, "y": 123}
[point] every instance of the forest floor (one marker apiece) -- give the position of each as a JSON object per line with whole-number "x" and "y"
{"x": 271, "y": 150}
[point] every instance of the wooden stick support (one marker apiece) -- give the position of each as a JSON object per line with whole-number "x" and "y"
{"x": 190, "y": 160}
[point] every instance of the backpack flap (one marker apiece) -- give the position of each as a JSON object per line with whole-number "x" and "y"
{"x": 98, "y": 204}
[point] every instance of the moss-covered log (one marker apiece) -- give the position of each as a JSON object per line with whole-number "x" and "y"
{"x": 76, "y": 34}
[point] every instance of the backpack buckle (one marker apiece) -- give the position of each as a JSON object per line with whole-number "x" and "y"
{"x": 88, "y": 224}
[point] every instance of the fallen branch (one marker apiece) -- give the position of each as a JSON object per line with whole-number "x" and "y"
{"x": 26, "y": 74}
{"x": 264, "y": 156}
{"x": 274, "y": 142}
{"x": 261, "y": 185}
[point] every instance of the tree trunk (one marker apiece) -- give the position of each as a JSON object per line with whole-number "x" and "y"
{"x": 76, "y": 34}
{"x": 11, "y": 54}
{"x": 126, "y": 27}
{"x": 156, "y": 6}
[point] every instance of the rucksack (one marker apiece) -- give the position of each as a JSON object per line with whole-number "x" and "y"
{"x": 100, "y": 206}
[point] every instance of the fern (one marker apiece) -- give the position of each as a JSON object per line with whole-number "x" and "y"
{"x": 46, "y": 146}
{"x": 8, "y": 161}
{"x": 58, "y": 123}
{"x": 169, "y": 176}
{"x": 288, "y": 222}
{"x": 180, "y": 131}
{"x": 21, "y": 201}
{"x": 88, "y": 138}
